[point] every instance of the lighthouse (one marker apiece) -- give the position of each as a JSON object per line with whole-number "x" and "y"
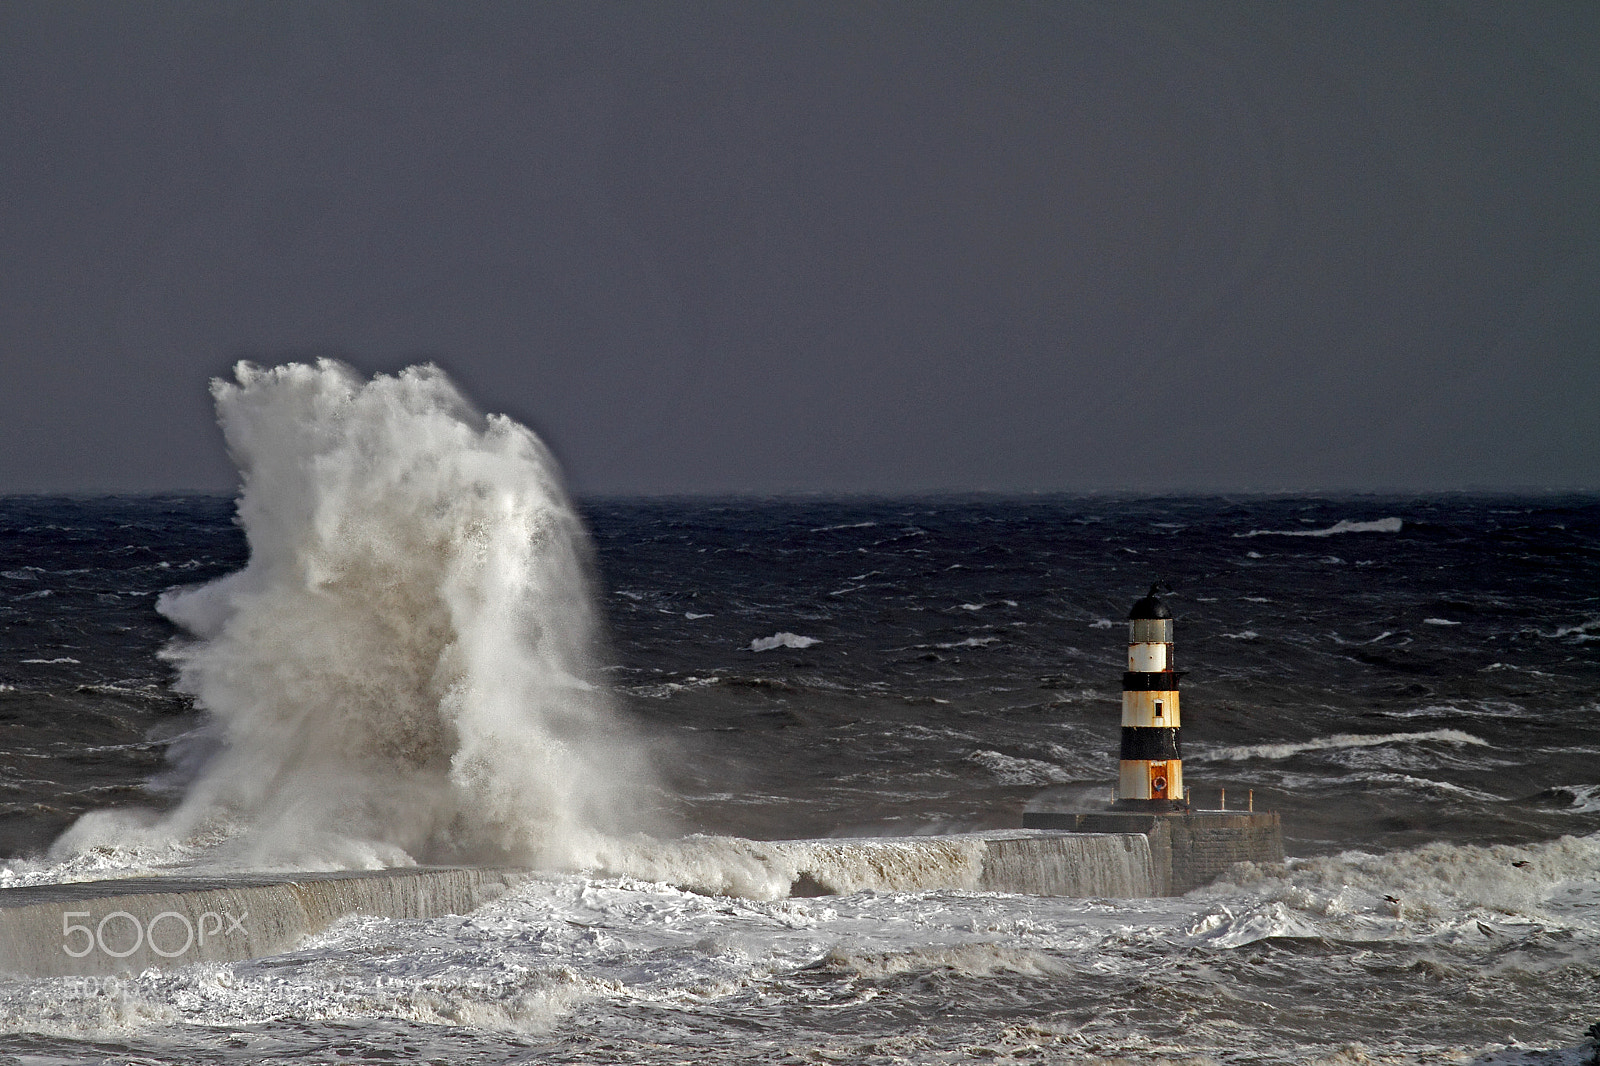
{"x": 1188, "y": 847}
{"x": 1150, "y": 770}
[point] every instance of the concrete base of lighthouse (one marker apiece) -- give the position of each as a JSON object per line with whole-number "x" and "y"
{"x": 1188, "y": 848}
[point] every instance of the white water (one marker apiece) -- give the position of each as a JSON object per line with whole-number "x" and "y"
{"x": 782, "y": 640}
{"x": 1344, "y": 525}
{"x": 1338, "y": 741}
{"x": 42, "y": 928}
{"x": 403, "y": 670}
{"x": 1517, "y": 928}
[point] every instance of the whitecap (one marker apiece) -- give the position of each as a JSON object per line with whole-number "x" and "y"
{"x": 1435, "y": 786}
{"x": 1337, "y": 741}
{"x": 1015, "y": 770}
{"x": 1581, "y": 632}
{"x": 1439, "y": 622}
{"x": 1381, "y": 525}
{"x": 782, "y": 640}
{"x": 1585, "y": 798}
{"x": 970, "y": 642}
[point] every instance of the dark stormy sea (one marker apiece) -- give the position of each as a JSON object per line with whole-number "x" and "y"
{"x": 308, "y": 676}
{"x": 1411, "y": 682}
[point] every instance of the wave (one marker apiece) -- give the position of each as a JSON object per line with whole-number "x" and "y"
{"x": 770, "y": 870}
{"x": 1577, "y": 799}
{"x": 1365, "y": 896}
{"x": 1430, "y": 785}
{"x": 1338, "y": 741}
{"x": 1583, "y": 631}
{"x": 984, "y": 959}
{"x": 1015, "y": 770}
{"x": 846, "y": 525}
{"x": 782, "y": 640}
{"x": 403, "y": 670}
{"x": 1381, "y": 525}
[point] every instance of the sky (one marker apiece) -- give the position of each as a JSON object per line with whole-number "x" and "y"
{"x": 821, "y": 247}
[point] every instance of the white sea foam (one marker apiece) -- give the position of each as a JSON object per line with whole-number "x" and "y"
{"x": 402, "y": 671}
{"x": 847, "y": 525}
{"x": 782, "y": 640}
{"x": 1581, "y": 632}
{"x": 1016, "y": 770}
{"x": 768, "y": 870}
{"x": 1339, "y": 740}
{"x": 1428, "y": 784}
{"x": 1369, "y": 895}
{"x": 1382, "y": 525}
{"x": 1585, "y": 798}
{"x": 1439, "y": 622}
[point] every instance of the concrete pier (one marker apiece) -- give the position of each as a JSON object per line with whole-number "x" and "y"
{"x": 1188, "y": 848}
{"x": 127, "y": 926}
{"x": 102, "y": 928}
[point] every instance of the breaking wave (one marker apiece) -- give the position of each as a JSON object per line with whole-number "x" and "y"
{"x": 1382, "y": 525}
{"x": 782, "y": 640}
{"x": 1339, "y": 740}
{"x": 402, "y": 671}
{"x": 1366, "y": 893}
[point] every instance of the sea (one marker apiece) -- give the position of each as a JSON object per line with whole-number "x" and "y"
{"x": 1412, "y": 682}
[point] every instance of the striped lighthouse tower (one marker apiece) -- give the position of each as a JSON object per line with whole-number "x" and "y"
{"x": 1150, "y": 774}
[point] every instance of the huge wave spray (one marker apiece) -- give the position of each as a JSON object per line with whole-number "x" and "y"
{"x": 403, "y": 671}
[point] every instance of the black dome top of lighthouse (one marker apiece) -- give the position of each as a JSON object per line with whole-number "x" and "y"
{"x": 1150, "y": 607}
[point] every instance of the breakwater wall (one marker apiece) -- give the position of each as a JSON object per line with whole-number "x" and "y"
{"x": 103, "y": 928}
{"x": 1188, "y": 848}
{"x": 127, "y": 926}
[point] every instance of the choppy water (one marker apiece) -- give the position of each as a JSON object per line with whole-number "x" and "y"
{"x": 1412, "y": 682}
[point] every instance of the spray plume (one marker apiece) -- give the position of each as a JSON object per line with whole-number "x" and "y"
{"x": 403, "y": 671}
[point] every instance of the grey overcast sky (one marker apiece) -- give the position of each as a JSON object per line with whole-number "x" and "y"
{"x": 765, "y": 246}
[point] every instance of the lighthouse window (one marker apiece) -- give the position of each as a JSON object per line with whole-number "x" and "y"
{"x": 1158, "y": 708}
